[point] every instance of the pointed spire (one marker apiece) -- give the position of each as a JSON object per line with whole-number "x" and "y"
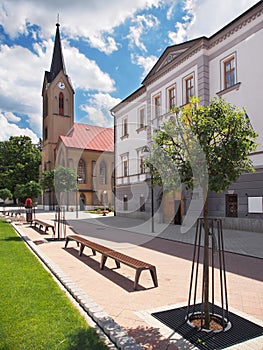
{"x": 57, "y": 63}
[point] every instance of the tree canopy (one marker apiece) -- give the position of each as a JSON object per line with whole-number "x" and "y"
{"x": 19, "y": 162}
{"x": 204, "y": 143}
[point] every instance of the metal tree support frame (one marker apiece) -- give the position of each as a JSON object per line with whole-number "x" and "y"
{"x": 216, "y": 255}
{"x": 60, "y": 222}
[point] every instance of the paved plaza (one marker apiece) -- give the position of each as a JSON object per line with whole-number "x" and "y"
{"x": 171, "y": 251}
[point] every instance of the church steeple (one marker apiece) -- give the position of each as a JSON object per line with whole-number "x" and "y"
{"x": 57, "y": 63}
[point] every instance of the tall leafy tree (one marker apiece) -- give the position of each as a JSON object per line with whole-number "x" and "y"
{"x": 5, "y": 194}
{"x": 206, "y": 146}
{"x": 31, "y": 189}
{"x": 19, "y": 162}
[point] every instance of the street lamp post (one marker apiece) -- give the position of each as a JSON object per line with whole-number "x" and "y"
{"x": 77, "y": 211}
{"x": 146, "y": 151}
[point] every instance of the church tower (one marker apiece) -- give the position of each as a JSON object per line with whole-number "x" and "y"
{"x": 58, "y": 105}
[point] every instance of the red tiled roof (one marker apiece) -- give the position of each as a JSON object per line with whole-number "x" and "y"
{"x": 95, "y": 138}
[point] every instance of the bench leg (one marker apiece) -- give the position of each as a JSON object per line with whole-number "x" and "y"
{"x": 66, "y": 243}
{"x": 103, "y": 261}
{"x": 118, "y": 265}
{"x": 137, "y": 276}
{"x": 82, "y": 246}
{"x": 154, "y": 275}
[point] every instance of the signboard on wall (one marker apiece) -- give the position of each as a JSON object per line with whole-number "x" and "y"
{"x": 255, "y": 205}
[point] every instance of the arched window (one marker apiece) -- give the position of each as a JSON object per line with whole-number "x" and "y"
{"x": 61, "y": 103}
{"x": 81, "y": 172}
{"x": 103, "y": 173}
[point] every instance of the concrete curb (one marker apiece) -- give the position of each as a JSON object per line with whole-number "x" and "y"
{"x": 118, "y": 336}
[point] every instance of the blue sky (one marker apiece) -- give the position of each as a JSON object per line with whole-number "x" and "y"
{"x": 108, "y": 48}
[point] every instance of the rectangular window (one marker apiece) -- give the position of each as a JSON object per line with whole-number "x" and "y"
{"x": 125, "y": 127}
{"x": 142, "y": 168}
{"x": 189, "y": 88}
{"x": 229, "y": 72}
{"x": 141, "y": 118}
{"x": 157, "y": 106}
{"x": 125, "y": 168}
{"x": 171, "y": 98}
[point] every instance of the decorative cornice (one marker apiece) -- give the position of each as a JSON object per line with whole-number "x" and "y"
{"x": 218, "y": 37}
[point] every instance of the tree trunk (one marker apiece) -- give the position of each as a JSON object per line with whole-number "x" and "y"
{"x": 206, "y": 267}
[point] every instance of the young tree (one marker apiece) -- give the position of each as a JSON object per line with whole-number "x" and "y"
{"x": 65, "y": 180}
{"x": 209, "y": 146}
{"x": 47, "y": 180}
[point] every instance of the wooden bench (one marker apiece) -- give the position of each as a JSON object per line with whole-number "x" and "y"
{"x": 106, "y": 252}
{"x": 42, "y": 224}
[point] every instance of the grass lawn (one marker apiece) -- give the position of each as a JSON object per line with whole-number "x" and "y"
{"x": 35, "y": 313}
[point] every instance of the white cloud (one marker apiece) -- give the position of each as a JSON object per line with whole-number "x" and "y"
{"x": 206, "y": 17}
{"x": 92, "y": 20}
{"x": 97, "y": 109}
{"x": 11, "y": 117}
{"x": 146, "y": 63}
{"x": 142, "y": 24}
{"x": 9, "y": 129}
{"x": 85, "y": 73}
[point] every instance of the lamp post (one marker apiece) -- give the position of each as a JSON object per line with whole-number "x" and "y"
{"x": 146, "y": 151}
{"x": 77, "y": 212}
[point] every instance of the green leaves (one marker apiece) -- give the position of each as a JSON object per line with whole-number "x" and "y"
{"x": 205, "y": 143}
{"x": 19, "y": 162}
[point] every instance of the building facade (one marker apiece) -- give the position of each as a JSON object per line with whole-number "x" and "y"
{"x": 85, "y": 148}
{"x": 227, "y": 64}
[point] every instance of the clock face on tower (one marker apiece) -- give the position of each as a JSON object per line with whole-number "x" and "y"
{"x": 61, "y": 85}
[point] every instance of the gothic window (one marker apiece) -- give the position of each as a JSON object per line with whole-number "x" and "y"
{"x": 61, "y": 103}
{"x": 45, "y": 133}
{"x": 45, "y": 106}
{"x": 103, "y": 173}
{"x": 81, "y": 172}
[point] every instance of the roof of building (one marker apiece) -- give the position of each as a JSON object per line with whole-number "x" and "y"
{"x": 57, "y": 63}
{"x": 89, "y": 137}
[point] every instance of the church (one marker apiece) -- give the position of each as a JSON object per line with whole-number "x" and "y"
{"x": 87, "y": 149}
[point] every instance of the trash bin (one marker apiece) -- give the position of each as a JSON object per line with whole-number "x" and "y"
{"x": 29, "y": 216}
{"x": 28, "y": 206}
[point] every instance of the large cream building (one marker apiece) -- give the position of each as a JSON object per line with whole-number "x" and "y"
{"x": 227, "y": 64}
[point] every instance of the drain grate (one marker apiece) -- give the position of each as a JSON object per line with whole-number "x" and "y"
{"x": 241, "y": 330}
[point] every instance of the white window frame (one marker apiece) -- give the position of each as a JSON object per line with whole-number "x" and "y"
{"x": 140, "y": 117}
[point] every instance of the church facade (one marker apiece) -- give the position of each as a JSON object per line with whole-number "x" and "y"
{"x": 87, "y": 149}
